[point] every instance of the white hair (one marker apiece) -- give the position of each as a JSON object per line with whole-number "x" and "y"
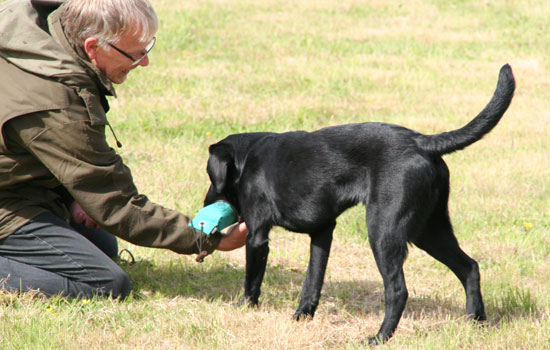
{"x": 107, "y": 20}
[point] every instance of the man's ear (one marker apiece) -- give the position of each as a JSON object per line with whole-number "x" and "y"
{"x": 221, "y": 158}
{"x": 90, "y": 47}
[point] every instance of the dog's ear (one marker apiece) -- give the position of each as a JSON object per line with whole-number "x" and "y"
{"x": 221, "y": 158}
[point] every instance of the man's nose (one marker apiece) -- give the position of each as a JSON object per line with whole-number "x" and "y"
{"x": 144, "y": 62}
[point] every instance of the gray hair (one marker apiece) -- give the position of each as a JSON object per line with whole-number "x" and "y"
{"x": 106, "y": 20}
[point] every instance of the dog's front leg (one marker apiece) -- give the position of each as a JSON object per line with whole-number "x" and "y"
{"x": 257, "y": 250}
{"x": 311, "y": 290}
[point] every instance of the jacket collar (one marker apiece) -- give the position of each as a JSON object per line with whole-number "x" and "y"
{"x": 56, "y": 30}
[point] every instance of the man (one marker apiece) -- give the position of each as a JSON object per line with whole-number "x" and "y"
{"x": 59, "y": 179}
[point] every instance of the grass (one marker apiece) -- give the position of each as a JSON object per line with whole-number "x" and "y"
{"x": 223, "y": 67}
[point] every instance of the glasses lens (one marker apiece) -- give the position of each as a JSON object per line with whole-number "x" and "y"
{"x": 149, "y": 46}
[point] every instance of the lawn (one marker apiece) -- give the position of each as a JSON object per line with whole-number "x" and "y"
{"x": 222, "y": 67}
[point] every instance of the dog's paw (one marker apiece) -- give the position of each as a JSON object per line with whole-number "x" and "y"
{"x": 246, "y": 302}
{"x": 372, "y": 341}
{"x": 481, "y": 317}
{"x": 302, "y": 316}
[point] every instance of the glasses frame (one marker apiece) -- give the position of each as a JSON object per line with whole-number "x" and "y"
{"x": 134, "y": 60}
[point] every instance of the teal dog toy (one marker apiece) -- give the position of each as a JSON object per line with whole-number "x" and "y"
{"x": 214, "y": 218}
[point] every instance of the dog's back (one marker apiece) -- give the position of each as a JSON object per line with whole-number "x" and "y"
{"x": 309, "y": 179}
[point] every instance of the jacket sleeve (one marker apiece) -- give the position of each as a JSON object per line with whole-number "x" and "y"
{"x": 77, "y": 154}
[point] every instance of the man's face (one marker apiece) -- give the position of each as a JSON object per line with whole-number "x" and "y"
{"x": 113, "y": 63}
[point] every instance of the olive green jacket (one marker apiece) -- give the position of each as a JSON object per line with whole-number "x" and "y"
{"x": 53, "y": 144}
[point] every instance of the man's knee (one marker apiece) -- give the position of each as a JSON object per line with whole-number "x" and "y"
{"x": 121, "y": 285}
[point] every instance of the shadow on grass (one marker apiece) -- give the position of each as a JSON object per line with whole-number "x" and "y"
{"x": 282, "y": 287}
{"x": 367, "y": 297}
{"x": 183, "y": 279}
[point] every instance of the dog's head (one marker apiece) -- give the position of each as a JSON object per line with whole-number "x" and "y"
{"x": 225, "y": 165}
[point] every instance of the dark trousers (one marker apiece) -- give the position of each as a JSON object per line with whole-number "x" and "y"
{"x": 56, "y": 258}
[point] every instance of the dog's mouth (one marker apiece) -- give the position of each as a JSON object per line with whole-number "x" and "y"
{"x": 239, "y": 217}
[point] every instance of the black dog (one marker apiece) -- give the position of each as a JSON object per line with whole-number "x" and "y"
{"x": 303, "y": 181}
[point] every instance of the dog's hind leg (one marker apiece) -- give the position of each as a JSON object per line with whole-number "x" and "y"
{"x": 440, "y": 242}
{"x": 386, "y": 238}
{"x": 318, "y": 259}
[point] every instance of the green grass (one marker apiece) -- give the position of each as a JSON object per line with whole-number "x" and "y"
{"x": 224, "y": 67}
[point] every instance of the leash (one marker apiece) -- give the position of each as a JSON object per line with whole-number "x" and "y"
{"x": 132, "y": 259}
{"x": 198, "y": 240}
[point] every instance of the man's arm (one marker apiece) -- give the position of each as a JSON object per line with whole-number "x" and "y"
{"x": 76, "y": 153}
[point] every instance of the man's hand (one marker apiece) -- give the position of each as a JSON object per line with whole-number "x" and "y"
{"x": 80, "y": 216}
{"x": 234, "y": 238}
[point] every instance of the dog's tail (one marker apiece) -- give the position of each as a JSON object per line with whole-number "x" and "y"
{"x": 485, "y": 121}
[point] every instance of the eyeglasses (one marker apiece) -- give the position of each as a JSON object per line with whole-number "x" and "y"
{"x": 135, "y": 60}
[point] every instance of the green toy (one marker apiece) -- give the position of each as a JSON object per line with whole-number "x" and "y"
{"x": 214, "y": 218}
